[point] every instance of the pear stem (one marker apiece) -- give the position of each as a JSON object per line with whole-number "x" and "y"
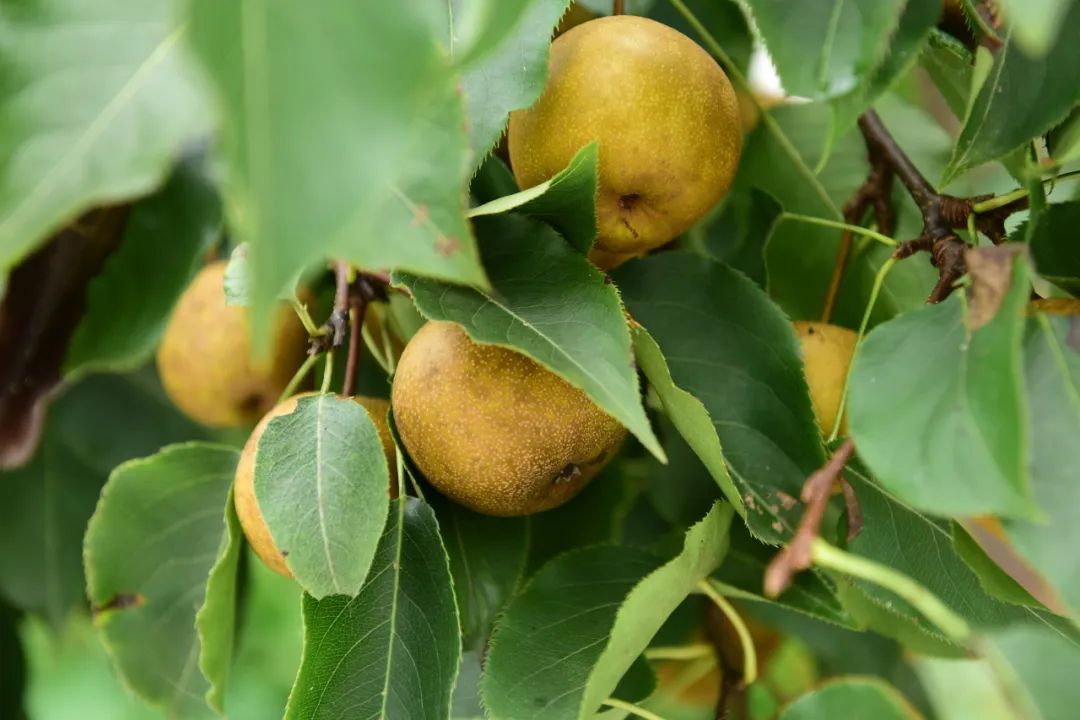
{"x": 618, "y": 8}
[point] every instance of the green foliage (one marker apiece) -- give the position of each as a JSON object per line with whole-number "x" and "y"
{"x": 300, "y": 137}
{"x": 320, "y": 482}
{"x": 393, "y": 650}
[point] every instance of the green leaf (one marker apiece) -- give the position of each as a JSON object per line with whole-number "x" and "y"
{"x": 343, "y": 136}
{"x": 90, "y": 429}
{"x": 488, "y": 556}
{"x": 1052, "y": 245}
{"x": 575, "y": 630}
{"x": 216, "y": 619}
{"x": 320, "y": 482}
{"x": 512, "y": 76}
{"x": 737, "y": 235}
{"x": 601, "y": 513}
{"x": 466, "y": 701}
{"x": 1035, "y": 23}
{"x": 551, "y": 304}
{"x": 567, "y": 201}
{"x": 949, "y": 65}
{"x": 731, "y": 348}
{"x": 964, "y": 689}
{"x": 238, "y": 279}
{"x": 129, "y": 303}
{"x": 992, "y": 575}
{"x": 394, "y": 649}
{"x": 687, "y": 414}
{"x": 917, "y": 19}
{"x": 846, "y": 40}
{"x": 959, "y": 430}
{"x": 1037, "y": 666}
{"x": 852, "y": 697}
{"x": 899, "y": 536}
{"x": 95, "y": 102}
{"x": 169, "y": 506}
{"x": 476, "y": 27}
{"x": 682, "y": 488}
{"x": 1022, "y": 98}
{"x": 742, "y": 575}
{"x": 1052, "y": 375}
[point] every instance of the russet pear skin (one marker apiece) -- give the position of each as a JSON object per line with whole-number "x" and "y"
{"x": 494, "y": 430}
{"x": 667, "y": 119}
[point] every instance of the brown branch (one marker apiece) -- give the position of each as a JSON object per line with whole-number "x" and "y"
{"x": 875, "y": 193}
{"x": 816, "y": 492}
{"x": 356, "y": 327}
{"x": 618, "y": 8}
{"x": 942, "y": 214}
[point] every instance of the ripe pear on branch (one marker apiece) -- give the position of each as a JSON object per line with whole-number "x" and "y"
{"x": 247, "y": 506}
{"x": 827, "y": 351}
{"x": 667, "y": 119}
{"x": 205, "y": 357}
{"x": 494, "y": 430}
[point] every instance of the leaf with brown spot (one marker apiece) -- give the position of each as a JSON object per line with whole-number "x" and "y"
{"x": 44, "y": 301}
{"x": 991, "y": 270}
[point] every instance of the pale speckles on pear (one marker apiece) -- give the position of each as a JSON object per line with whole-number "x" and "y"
{"x": 205, "y": 359}
{"x": 494, "y": 430}
{"x": 667, "y": 119}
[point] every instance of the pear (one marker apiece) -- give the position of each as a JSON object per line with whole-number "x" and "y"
{"x": 666, "y": 117}
{"x": 205, "y": 357}
{"x": 1057, "y": 306}
{"x": 247, "y": 507}
{"x": 827, "y": 351}
{"x": 492, "y": 429}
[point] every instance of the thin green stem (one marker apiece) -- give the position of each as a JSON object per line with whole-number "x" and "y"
{"x": 301, "y": 310}
{"x": 857, "y": 229}
{"x": 932, "y": 608}
{"x": 416, "y": 487}
{"x": 632, "y": 709}
{"x": 750, "y": 668}
{"x": 1018, "y": 194}
{"x": 875, "y": 291}
{"x": 693, "y": 651}
{"x": 400, "y": 461}
{"x": 328, "y": 372}
{"x": 298, "y": 377}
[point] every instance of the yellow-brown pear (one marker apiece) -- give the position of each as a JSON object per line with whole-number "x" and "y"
{"x": 492, "y": 429}
{"x": 247, "y": 507}
{"x": 1057, "y": 306}
{"x": 205, "y": 357}
{"x": 827, "y": 351}
{"x": 666, "y": 117}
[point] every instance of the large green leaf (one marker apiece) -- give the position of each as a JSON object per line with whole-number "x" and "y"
{"x": 578, "y": 627}
{"x": 216, "y": 619}
{"x": 488, "y": 556}
{"x": 921, "y": 548}
{"x": 1044, "y": 661}
{"x": 731, "y": 348}
{"x": 961, "y": 449}
{"x": 1023, "y": 97}
{"x": 1052, "y": 374}
{"x": 512, "y": 76}
{"x": 95, "y": 102}
{"x": 851, "y": 697}
{"x": 687, "y": 414}
{"x": 320, "y": 482}
{"x": 825, "y": 48}
{"x": 93, "y": 427}
{"x": 344, "y": 135}
{"x": 1035, "y": 23}
{"x": 566, "y": 201}
{"x": 549, "y": 303}
{"x": 128, "y": 304}
{"x": 1053, "y": 245}
{"x": 916, "y": 20}
{"x": 393, "y": 650}
{"x": 171, "y": 507}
